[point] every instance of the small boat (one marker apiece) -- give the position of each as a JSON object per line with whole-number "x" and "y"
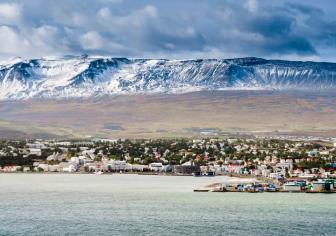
{"x": 197, "y": 174}
{"x": 219, "y": 188}
{"x": 211, "y": 173}
{"x": 201, "y": 190}
{"x": 208, "y": 174}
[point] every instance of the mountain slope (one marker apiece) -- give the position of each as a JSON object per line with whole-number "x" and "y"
{"x": 92, "y": 76}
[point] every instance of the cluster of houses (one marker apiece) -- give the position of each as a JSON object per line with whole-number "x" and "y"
{"x": 269, "y": 158}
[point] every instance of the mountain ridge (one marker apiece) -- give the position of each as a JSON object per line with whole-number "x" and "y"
{"x": 84, "y": 76}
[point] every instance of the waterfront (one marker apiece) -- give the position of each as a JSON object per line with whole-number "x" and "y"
{"x": 35, "y": 204}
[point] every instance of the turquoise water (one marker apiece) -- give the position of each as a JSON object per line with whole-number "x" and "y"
{"x": 32, "y": 204}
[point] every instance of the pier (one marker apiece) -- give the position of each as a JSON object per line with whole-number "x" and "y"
{"x": 255, "y": 186}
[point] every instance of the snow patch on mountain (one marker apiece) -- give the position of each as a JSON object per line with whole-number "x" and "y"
{"x": 84, "y": 76}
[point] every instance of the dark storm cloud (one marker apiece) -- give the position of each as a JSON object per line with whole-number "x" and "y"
{"x": 171, "y": 29}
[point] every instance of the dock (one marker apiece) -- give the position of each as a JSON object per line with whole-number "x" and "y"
{"x": 326, "y": 186}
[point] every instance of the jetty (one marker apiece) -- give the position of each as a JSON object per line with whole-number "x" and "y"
{"x": 256, "y": 186}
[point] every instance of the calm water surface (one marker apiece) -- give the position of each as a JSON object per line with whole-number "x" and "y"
{"x": 51, "y": 204}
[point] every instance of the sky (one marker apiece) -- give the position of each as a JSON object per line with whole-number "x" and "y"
{"x": 173, "y": 29}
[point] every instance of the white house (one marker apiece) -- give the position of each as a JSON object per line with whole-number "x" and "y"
{"x": 68, "y": 167}
{"x": 156, "y": 166}
{"x": 116, "y": 165}
{"x": 35, "y": 151}
{"x": 136, "y": 167}
{"x": 42, "y": 166}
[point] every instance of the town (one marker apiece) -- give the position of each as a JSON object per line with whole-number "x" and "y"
{"x": 273, "y": 159}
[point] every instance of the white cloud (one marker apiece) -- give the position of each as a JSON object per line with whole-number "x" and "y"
{"x": 78, "y": 19}
{"x": 11, "y": 41}
{"x": 136, "y": 18}
{"x": 9, "y": 12}
{"x": 48, "y": 39}
{"x": 150, "y": 10}
{"x": 251, "y": 5}
{"x": 104, "y": 13}
{"x": 91, "y": 40}
{"x": 46, "y": 31}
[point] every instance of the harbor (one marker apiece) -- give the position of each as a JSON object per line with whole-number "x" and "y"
{"x": 257, "y": 186}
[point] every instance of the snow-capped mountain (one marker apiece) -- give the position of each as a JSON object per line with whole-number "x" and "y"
{"x": 96, "y": 76}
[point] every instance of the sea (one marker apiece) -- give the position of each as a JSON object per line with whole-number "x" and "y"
{"x": 124, "y": 204}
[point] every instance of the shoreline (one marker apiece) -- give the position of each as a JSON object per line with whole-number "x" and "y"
{"x": 233, "y": 176}
{"x": 112, "y": 173}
